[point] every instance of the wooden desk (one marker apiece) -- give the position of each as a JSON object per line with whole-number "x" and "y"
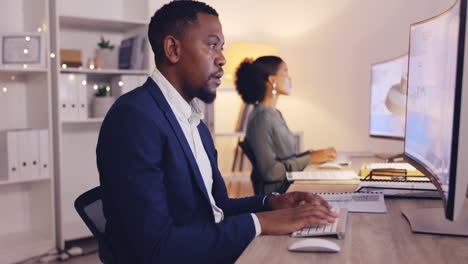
{"x": 370, "y": 238}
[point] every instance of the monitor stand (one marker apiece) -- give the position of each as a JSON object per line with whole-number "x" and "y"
{"x": 390, "y": 157}
{"x": 432, "y": 221}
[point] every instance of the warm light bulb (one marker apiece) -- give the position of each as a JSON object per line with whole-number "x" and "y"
{"x": 120, "y": 83}
{"x": 26, "y": 51}
{"x": 64, "y": 66}
{"x": 52, "y": 55}
{"x": 39, "y": 29}
{"x": 95, "y": 87}
{"x": 71, "y": 77}
{"x": 83, "y": 82}
{"x": 28, "y": 38}
{"x": 107, "y": 88}
{"x": 25, "y": 66}
{"x": 4, "y": 89}
{"x": 91, "y": 66}
{"x": 13, "y": 78}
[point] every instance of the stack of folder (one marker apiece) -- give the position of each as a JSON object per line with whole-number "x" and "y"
{"x": 391, "y": 171}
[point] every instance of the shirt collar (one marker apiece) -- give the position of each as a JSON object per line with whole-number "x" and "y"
{"x": 182, "y": 110}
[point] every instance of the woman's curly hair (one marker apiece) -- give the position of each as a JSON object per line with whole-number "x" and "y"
{"x": 251, "y": 77}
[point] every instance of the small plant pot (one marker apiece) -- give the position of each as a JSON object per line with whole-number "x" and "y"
{"x": 107, "y": 58}
{"x": 100, "y": 105}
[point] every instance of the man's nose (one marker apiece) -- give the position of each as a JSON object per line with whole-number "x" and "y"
{"x": 220, "y": 60}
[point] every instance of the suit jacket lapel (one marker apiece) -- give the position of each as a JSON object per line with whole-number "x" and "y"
{"x": 161, "y": 101}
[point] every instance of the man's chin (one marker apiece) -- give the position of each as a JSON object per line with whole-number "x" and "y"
{"x": 207, "y": 98}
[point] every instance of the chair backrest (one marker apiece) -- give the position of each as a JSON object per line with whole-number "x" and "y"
{"x": 248, "y": 152}
{"x": 257, "y": 181}
{"x": 89, "y": 207}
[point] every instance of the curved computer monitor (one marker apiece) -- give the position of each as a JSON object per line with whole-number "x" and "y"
{"x": 436, "y": 139}
{"x": 388, "y": 98}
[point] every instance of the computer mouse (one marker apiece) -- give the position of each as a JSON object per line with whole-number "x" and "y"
{"x": 330, "y": 165}
{"x": 314, "y": 245}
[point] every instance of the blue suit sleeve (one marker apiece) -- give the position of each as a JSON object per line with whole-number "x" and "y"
{"x": 130, "y": 157}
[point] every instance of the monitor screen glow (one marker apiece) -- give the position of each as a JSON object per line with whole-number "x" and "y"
{"x": 388, "y": 97}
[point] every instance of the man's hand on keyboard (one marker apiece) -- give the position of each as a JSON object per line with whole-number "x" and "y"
{"x": 285, "y": 221}
{"x": 295, "y": 199}
{"x": 323, "y": 155}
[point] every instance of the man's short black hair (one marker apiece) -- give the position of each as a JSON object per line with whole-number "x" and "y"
{"x": 172, "y": 19}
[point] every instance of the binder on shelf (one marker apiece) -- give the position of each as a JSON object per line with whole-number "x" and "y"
{"x": 138, "y": 53}
{"x": 44, "y": 155}
{"x": 23, "y": 149}
{"x": 65, "y": 96}
{"x": 73, "y": 97}
{"x": 33, "y": 153}
{"x": 131, "y": 53}
{"x": 125, "y": 53}
{"x": 9, "y": 158}
{"x": 82, "y": 103}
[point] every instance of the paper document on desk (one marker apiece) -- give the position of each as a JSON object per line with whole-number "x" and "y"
{"x": 321, "y": 175}
{"x": 357, "y": 202}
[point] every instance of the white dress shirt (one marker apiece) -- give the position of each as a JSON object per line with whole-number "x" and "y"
{"x": 188, "y": 117}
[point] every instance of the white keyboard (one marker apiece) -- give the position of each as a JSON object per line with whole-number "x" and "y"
{"x": 322, "y": 175}
{"x": 337, "y": 228}
{"x": 391, "y": 165}
{"x": 418, "y": 185}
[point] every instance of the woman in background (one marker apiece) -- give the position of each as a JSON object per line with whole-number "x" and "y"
{"x": 268, "y": 138}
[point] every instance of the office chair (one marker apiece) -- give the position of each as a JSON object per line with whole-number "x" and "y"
{"x": 89, "y": 207}
{"x": 254, "y": 176}
{"x": 257, "y": 181}
{"x": 241, "y": 126}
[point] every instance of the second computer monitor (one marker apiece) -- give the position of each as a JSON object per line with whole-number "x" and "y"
{"x": 437, "y": 110}
{"x": 388, "y": 98}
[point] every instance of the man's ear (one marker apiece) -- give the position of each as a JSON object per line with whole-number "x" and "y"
{"x": 171, "y": 48}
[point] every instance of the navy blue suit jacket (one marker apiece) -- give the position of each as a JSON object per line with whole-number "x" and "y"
{"x": 154, "y": 198}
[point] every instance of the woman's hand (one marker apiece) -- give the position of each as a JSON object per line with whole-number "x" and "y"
{"x": 323, "y": 155}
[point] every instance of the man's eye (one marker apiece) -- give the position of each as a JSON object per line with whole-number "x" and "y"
{"x": 213, "y": 46}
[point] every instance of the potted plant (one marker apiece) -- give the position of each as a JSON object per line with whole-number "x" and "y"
{"x": 106, "y": 55}
{"x": 102, "y": 101}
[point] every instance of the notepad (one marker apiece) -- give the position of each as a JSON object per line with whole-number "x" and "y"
{"x": 357, "y": 202}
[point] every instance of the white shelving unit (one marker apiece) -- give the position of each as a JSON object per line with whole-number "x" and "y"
{"x": 26, "y": 205}
{"x": 21, "y": 71}
{"x": 104, "y": 71}
{"x": 91, "y": 120}
{"x": 80, "y": 25}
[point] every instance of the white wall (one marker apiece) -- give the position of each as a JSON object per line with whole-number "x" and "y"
{"x": 113, "y": 9}
{"x": 329, "y": 47}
